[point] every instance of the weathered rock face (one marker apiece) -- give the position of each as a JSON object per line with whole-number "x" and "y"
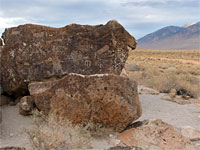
{"x": 155, "y": 135}
{"x": 34, "y": 52}
{"x": 1, "y": 42}
{"x": 4, "y": 100}
{"x": 190, "y": 133}
{"x": 111, "y": 100}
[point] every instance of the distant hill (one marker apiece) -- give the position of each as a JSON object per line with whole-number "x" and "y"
{"x": 173, "y": 37}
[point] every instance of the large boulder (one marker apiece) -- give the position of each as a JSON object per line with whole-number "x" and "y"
{"x": 107, "y": 99}
{"x": 35, "y": 52}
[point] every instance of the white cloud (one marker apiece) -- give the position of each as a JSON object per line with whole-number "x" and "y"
{"x": 137, "y": 16}
{"x": 9, "y": 22}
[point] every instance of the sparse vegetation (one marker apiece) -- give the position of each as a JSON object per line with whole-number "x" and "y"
{"x": 52, "y": 133}
{"x": 167, "y": 69}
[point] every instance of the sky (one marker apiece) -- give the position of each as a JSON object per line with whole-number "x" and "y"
{"x": 139, "y": 17}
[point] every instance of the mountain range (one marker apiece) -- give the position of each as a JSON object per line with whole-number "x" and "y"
{"x": 173, "y": 37}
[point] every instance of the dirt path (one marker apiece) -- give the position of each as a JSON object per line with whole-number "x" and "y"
{"x": 197, "y": 62}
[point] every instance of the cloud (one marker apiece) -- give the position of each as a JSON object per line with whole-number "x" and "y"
{"x": 139, "y": 17}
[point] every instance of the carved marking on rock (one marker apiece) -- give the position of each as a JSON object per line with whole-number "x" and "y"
{"x": 88, "y": 63}
{"x": 103, "y": 50}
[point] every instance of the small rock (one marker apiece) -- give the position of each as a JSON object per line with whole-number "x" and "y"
{"x": 191, "y": 133}
{"x": 11, "y": 134}
{"x": 136, "y": 124}
{"x": 172, "y": 93}
{"x": 124, "y": 73}
{"x": 148, "y": 91}
{"x": 35, "y": 141}
{"x": 186, "y": 97}
{"x": 26, "y": 105}
{"x": 166, "y": 97}
{"x": 120, "y": 148}
{"x": 114, "y": 142}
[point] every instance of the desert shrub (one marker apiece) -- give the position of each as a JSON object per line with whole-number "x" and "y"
{"x": 163, "y": 83}
{"x": 50, "y": 133}
{"x": 166, "y": 74}
{"x": 56, "y": 133}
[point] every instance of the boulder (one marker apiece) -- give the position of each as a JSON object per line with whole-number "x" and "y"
{"x": 110, "y": 100}
{"x": 35, "y": 52}
{"x": 155, "y": 135}
{"x": 26, "y": 106}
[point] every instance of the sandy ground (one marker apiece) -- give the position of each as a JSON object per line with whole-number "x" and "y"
{"x": 175, "y": 114}
{"x": 13, "y": 125}
{"x": 13, "y": 128}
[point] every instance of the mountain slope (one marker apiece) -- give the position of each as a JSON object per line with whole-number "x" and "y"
{"x": 173, "y": 37}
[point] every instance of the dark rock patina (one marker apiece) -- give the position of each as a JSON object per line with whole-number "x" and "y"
{"x": 107, "y": 99}
{"x": 35, "y": 52}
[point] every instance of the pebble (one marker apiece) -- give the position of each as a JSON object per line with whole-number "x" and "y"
{"x": 11, "y": 134}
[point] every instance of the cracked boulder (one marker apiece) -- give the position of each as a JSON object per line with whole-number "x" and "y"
{"x": 35, "y": 52}
{"x": 110, "y": 100}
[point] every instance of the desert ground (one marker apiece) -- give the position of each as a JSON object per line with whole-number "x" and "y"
{"x": 168, "y": 86}
{"x": 165, "y": 70}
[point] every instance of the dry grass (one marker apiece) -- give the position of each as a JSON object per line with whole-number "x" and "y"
{"x": 50, "y": 134}
{"x": 53, "y": 133}
{"x": 167, "y": 69}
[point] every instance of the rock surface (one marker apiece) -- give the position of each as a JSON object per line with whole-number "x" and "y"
{"x": 4, "y": 100}
{"x": 12, "y": 148}
{"x": 35, "y": 52}
{"x": 190, "y": 133}
{"x": 1, "y": 42}
{"x": 0, "y": 116}
{"x": 26, "y": 105}
{"x": 156, "y": 135}
{"x": 111, "y": 100}
{"x": 121, "y": 148}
